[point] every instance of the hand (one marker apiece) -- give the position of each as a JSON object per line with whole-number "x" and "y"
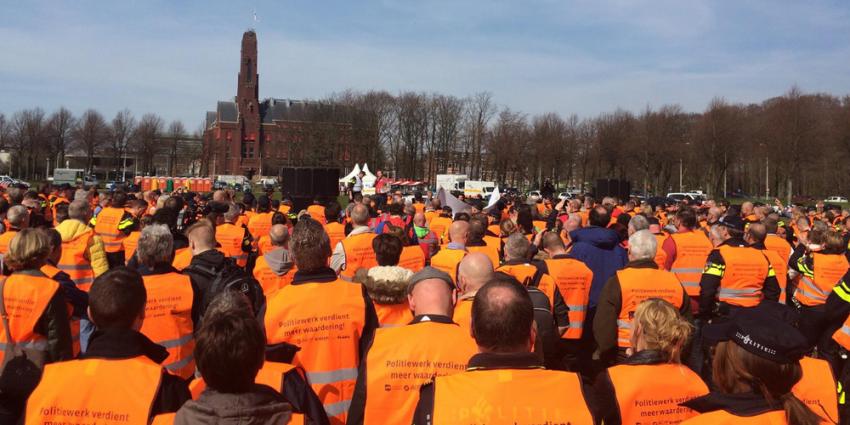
{"x": 560, "y": 205}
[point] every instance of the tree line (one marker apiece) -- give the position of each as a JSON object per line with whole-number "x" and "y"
{"x": 790, "y": 145}
{"x": 34, "y": 137}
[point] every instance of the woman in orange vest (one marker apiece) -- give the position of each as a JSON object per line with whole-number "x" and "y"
{"x": 756, "y": 365}
{"x": 628, "y": 393}
{"x": 387, "y": 283}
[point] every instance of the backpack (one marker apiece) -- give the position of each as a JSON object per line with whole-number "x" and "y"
{"x": 229, "y": 277}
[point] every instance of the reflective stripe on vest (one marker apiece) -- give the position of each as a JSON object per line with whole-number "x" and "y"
{"x": 692, "y": 249}
{"x": 828, "y": 270}
{"x": 402, "y": 359}
{"x": 842, "y": 335}
{"x": 119, "y": 391}
{"x": 573, "y": 279}
{"x": 744, "y": 276}
{"x": 168, "y": 320}
{"x": 510, "y": 396}
{"x": 638, "y": 285}
{"x": 641, "y": 394}
{"x": 333, "y": 325}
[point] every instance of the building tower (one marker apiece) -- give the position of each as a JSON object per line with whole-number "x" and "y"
{"x": 247, "y": 101}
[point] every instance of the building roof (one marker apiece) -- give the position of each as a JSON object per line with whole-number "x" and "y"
{"x": 227, "y": 112}
{"x": 210, "y": 119}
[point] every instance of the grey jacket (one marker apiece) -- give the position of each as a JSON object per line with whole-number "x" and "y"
{"x": 260, "y": 406}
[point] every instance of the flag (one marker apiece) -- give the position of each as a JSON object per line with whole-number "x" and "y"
{"x": 494, "y": 197}
{"x": 449, "y": 200}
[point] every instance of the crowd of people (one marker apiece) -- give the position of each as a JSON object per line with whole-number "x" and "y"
{"x": 214, "y": 308}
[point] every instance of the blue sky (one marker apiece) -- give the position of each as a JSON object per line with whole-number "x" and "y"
{"x": 177, "y": 58}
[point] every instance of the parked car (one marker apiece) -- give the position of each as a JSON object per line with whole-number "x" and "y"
{"x": 534, "y": 195}
{"x": 564, "y": 196}
{"x": 835, "y": 199}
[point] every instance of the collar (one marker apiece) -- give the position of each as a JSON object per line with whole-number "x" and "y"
{"x": 160, "y": 269}
{"x": 123, "y": 344}
{"x": 455, "y": 245}
{"x": 476, "y": 243}
{"x": 647, "y": 357}
{"x": 642, "y": 264}
{"x": 485, "y": 361}
{"x": 744, "y": 404}
{"x": 759, "y": 246}
{"x": 517, "y": 263}
{"x": 436, "y": 318}
{"x": 323, "y": 275}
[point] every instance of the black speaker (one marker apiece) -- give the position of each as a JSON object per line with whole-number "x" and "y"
{"x": 303, "y": 184}
{"x": 610, "y": 187}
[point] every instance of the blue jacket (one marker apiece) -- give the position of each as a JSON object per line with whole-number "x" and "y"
{"x": 599, "y": 248}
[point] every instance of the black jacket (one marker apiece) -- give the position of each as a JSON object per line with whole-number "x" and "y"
{"x": 124, "y": 344}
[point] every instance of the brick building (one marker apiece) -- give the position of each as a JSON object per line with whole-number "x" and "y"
{"x": 249, "y": 136}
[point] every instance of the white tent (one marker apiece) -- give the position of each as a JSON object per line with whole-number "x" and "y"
{"x": 351, "y": 175}
{"x": 369, "y": 178}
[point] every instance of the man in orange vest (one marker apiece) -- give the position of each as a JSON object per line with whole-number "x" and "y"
{"x": 573, "y": 278}
{"x": 475, "y": 270}
{"x": 355, "y": 251}
{"x": 120, "y": 373}
{"x": 113, "y": 224}
{"x": 171, "y": 313}
{"x": 735, "y": 275}
{"x": 449, "y": 258}
{"x": 64, "y": 196}
{"x": 18, "y": 218}
{"x": 236, "y": 241}
{"x": 774, "y": 242}
{"x": 317, "y": 211}
{"x": 275, "y": 268}
{"x": 756, "y": 235}
{"x": 686, "y": 252}
{"x": 431, "y": 345}
{"x": 477, "y": 242}
{"x": 260, "y": 223}
{"x": 332, "y": 320}
{"x": 83, "y": 255}
{"x": 335, "y": 229}
{"x": 505, "y": 376}
{"x": 640, "y": 280}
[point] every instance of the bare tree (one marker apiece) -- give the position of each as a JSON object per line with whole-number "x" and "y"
{"x": 146, "y": 141}
{"x": 28, "y": 140}
{"x": 60, "y": 127}
{"x": 481, "y": 109}
{"x": 90, "y": 134}
{"x": 176, "y": 132}
{"x": 121, "y": 131}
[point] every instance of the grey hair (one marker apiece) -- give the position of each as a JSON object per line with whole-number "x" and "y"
{"x": 232, "y": 213}
{"x": 81, "y": 195}
{"x": 79, "y": 210}
{"x": 156, "y": 245}
{"x": 360, "y": 215}
{"x": 16, "y": 215}
{"x": 639, "y": 223}
{"x": 642, "y": 245}
{"x": 516, "y": 247}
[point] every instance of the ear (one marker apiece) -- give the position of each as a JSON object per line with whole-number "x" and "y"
{"x": 454, "y": 297}
{"x": 410, "y": 302}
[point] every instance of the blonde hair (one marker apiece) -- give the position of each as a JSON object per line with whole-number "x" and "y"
{"x": 659, "y": 326}
{"x": 28, "y": 250}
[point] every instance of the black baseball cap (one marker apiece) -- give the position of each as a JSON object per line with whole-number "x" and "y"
{"x": 765, "y": 330}
{"x": 732, "y": 222}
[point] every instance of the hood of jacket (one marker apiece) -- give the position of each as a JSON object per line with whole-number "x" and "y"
{"x": 385, "y": 284}
{"x": 279, "y": 260}
{"x": 259, "y": 406}
{"x": 71, "y": 229}
{"x": 599, "y": 237}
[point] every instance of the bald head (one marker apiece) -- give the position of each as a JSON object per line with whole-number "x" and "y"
{"x": 360, "y": 215}
{"x": 432, "y": 296}
{"x": 756, "y": 233}
{"x": 419, "y": 219}
{"x": 221, "y": 196}
{"x": 279, "y": 235}
{"x": 746, "y": 208}
{"x": 459, "y": 232}
{"x": 474, "y": 271}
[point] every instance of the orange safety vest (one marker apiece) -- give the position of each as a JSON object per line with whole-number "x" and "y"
{"x": 440, "y": 226}
{"x": 510, "y": 396}
{"x": 336, "y": 233}
{"x": 52, "y": 272}
{"x": 412, "y": 258}
{"x": 817, "y": 388}
{"x": 358, "y": 254}
{"x": 269, "y": 280}
{"x": 317, "y": 212}
{"x": 168, "y": 320}
{"x": 743, "y": 280}
{"x": 660, "y": 253}
{"x": 641, "y": 395}
{"x": 5, "y": 240}
{"x": 573, "y": 279}
{"x": 392, "y": 315}
{"x": 74, "y": 260}
{"x": 842, "y": 335}
{"x": 106, "y": 227}
{"x": 182, "y": 258}
{"x": 463, "y": 315}
{"x": 260, "y": 224}
{"x": 96, "y": 390}
{"x": 448, "y": 260}
{"x": 692, "y": 249}
{"x": 828, "y": 270}
{"x": 230, "y": 237}
{"x": 638, "y": 285}
{"x": 778, "y": 245}
{"x": 26, "y": 295}
{"x": 418, "y": 207}
{"x": 525, "y": 272}
{"x": 722, "y": 417}
{"x": 494, "y": 229}
{"x": 404, "y": 358}
{"x": 492, "y": 252}
{"x": 781, "y": 268}
{"x": 539, "y": 226}
{"x": 264, "y": 245}
{"x": 130, "y": 243}
{"x": 328, "y": 332}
